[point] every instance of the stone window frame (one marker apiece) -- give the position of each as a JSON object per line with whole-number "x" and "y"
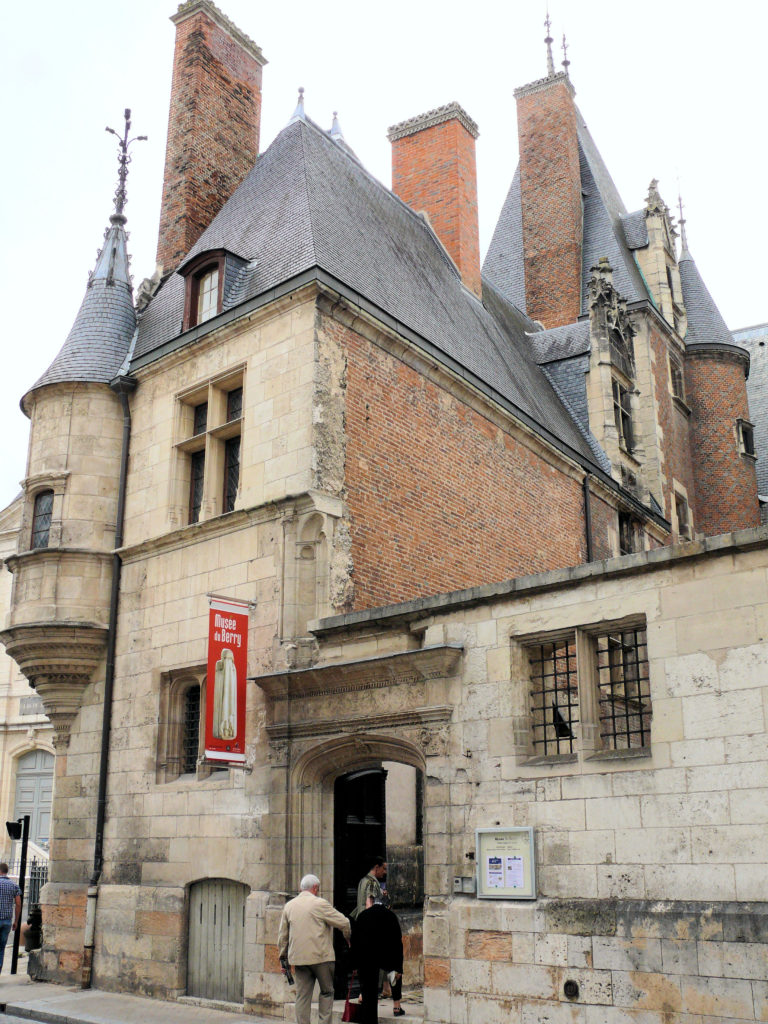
{"x": 209, "y": 445}
{"x": 621, "y": 397}
{"x": 33, "y": 487}
{"x": 681, "y": 513}
{"x": 746, "y": 436}
{"x": 40, "y": 533}
{"x": 677, "y": 382}
{"x": 575, "y": 729}
{"x": 175, "y": 685}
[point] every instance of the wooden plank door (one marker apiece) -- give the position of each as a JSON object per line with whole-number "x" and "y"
{"x": 216, "y": 931}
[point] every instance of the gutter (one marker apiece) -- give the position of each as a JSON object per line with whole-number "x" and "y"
{"x": 122, "y": 386}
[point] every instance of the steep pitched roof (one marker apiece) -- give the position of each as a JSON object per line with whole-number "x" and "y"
{"x": 705, "y": 322}
{"x": 309, "y": 203}
{"x": 603, "y": 232}
{"x": 106, "y": 321}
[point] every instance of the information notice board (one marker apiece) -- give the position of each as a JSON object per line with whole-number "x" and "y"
{"x": 506, "y": 865}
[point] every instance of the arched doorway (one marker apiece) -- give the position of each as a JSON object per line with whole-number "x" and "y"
{"x": 34, "y": 792}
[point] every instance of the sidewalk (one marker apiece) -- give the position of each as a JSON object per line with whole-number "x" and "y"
{"x": 57, "y": 1004}
{"x": 20, "y": 997}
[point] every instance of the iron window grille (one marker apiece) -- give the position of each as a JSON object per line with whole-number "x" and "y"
{"x": 231, "y": 472}
{"x": 622, "y": 354}
{"x": 196, "y": 479}
{"x": 41, "y": 519}
{"x": 683, "y": 517}
{"x": 554, "y": 697}
{"x": 624, "y": 689}
{"x": 676, "y": 378}
{"x": 190, "y": 740}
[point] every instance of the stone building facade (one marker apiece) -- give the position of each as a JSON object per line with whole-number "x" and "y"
{"x": 26, "y": 748}
{"x": 320, "y": 405}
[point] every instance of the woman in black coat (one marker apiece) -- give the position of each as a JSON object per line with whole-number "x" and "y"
{"x": 377, "y": 944}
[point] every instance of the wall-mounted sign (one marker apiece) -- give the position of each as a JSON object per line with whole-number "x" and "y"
{"x": 506, "y": 864}
{"x": 225, "y": 686}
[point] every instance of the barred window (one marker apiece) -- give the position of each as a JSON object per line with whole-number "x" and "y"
{"x": 41, "y": 519}
{"x": 624, "y": 689}
{"x": 190, "y": 740}
{"x": 590, "y": 693}
{"x": 554, "y": 696}
{"x": 683, "y": 517}
{"x": 676, "y": 378}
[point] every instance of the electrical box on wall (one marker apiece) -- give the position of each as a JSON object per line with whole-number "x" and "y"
{"x": 464, "y": 884}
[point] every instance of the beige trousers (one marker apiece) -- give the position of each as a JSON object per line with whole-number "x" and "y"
{"x": 306, "y": 975}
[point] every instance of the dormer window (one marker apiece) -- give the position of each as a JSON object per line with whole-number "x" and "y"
{"x": 208, "y": 295}
{"x": 206, "y": 277}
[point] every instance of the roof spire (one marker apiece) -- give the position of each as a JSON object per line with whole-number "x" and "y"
{"x": 336, "y": 132}
{"x": 683, "y": 238}
{"x": 548, "y": 40}
{"x": 566, "y": 62}
{"x": 298, "y": 114}
{"x": 123, "y": 159}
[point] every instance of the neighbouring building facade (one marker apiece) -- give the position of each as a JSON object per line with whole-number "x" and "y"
{"x": 755, "y": 341}
{"x": 322, "y": 405}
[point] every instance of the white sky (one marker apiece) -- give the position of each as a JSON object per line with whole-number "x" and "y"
{"x": 673, "y": 89}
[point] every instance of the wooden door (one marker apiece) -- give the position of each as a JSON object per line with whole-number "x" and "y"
{"x": 216, "y": 931}
{"x": 34, "y": 792}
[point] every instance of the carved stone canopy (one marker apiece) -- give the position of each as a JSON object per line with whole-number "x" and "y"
{"x": 59, "y": 661}
{"x": 611, "y": 323}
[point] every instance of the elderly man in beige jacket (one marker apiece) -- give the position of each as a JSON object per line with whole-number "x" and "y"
{"x": 306, "y": 938}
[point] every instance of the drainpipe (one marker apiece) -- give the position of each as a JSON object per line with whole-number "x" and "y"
{"x": 588, "y": 517}
{"x": 122, "y": 386}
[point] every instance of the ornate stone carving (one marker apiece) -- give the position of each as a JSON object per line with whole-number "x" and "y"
{"x": 611, "y": 323}
{"x": 434, "y": 740}
{"x": 278, "y": 753}
{"x": 59, "y": 662}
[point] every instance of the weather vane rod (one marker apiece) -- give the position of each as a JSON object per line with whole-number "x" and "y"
{"x": 549, "y": 41}
{"x": 123, "y": 159}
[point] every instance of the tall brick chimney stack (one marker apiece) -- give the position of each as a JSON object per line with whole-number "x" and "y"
{"x": 213, "y": 124}
{"x": 434, "y": 170}
{"x": 550, "y": 191}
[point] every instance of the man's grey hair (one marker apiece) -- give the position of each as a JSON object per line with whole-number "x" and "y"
{"x": 309, "y": 882}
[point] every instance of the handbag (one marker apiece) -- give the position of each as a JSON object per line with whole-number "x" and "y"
{"x": 351, "y": 1010}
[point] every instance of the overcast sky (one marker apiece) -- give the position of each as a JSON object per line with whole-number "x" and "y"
{"x": 672, "y": 89}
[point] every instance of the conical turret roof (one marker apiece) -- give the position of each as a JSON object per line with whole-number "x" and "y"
{"x": 101, "y": 335}
{"x": 705, "y": 322}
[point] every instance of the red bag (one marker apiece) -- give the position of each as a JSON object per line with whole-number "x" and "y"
{"x": 351, "y": 1010}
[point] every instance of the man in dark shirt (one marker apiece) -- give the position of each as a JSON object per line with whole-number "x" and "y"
{"x": 377, "y": 943}
{"x": 10, "y": 909}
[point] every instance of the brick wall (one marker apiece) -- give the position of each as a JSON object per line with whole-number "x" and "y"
{"x": 434, "y": 169}
{"x": 550, "y": 190}
{"x": 213, "y": 129}
{"x": 675, "y": 430}
{"x": 440, "y": 497}
{"x": 725, "y": 481}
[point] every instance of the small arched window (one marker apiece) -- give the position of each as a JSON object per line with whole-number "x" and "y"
{"x": 41, "y": 519}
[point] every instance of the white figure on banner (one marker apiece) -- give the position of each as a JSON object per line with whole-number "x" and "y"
{"x": 225, "y": 697}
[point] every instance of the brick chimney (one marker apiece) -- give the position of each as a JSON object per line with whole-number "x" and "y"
{"x": 550, "y": 192}
{"x": 434, "y": 170}
{"x": 213, "y": 124}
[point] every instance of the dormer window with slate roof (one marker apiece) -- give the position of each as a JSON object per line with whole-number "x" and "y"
{"x": 209, "y": 278}
{"x": 204, "y": 288}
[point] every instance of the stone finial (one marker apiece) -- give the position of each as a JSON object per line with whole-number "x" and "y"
{"x": 336, "y": 132}
{"x": 654, "y": 203}
{"x": 683, "y": 236}
{"x": 298, "y": 114}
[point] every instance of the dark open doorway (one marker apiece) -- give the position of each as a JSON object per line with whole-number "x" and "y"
{"x": 378, "y": 812}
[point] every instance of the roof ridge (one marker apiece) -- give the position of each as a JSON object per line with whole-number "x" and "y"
{"x": 413, "y": 213}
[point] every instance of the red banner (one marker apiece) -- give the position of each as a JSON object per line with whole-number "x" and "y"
{"x": 225, "y": 689}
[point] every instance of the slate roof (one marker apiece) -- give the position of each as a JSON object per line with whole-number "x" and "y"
{"x": 705, "y": 322}
{"x": 106, "y": 322}
{"x": 606, "y": 222}
{"x": 309, "y": 203}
